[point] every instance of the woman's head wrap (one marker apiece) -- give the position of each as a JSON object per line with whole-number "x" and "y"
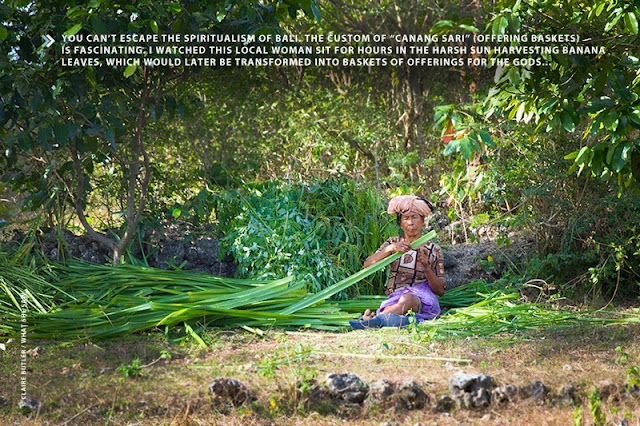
{"x": 409, "y": 203}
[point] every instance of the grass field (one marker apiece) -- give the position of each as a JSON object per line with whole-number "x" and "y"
{"x": 145, "y": 380}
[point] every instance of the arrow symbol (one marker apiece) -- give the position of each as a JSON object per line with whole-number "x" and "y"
{"x": 48, "y": 40}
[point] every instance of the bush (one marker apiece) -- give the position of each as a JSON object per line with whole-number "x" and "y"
{"x": 586, "y": 234}
{"x": 319, "y": 232}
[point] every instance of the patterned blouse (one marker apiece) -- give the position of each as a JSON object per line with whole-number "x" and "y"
{"x": 410, "y": 268}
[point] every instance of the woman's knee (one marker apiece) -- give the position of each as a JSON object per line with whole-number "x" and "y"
{"x": 409, "y": 302}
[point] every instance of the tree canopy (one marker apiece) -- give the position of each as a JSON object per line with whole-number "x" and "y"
{"x": 61, "y": 125}
{"x": 597, "y": 95}
{"x": 110, "y": 148}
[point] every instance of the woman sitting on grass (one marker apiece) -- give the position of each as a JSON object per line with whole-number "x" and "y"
{"x": 417, "y": 277}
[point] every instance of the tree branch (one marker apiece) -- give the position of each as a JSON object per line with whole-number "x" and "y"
{"x": 133, "y": 213}
{"x": 77, "y": 202}
{"x": 352, "y": 142}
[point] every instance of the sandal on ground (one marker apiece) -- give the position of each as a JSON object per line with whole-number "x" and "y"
{"x": 393, "y": 320}
{"x": 363, "y": 324}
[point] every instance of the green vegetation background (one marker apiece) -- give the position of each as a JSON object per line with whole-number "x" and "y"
{"x": 292, "y": 168}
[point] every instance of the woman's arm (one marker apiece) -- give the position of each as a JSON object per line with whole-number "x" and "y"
{"x": 385, "y": 251}
{"x": 434, "y": 270}
{"x": 435, "y": 282}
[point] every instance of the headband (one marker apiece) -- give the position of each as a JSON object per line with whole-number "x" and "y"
{"x": 408, "y": 203}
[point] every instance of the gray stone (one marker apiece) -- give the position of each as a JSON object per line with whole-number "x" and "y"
{"x": 381, "y": 389}
{"x": 318, "y": 399}
{"x": 165, "y": 247}
{"x": 29, "y": 404}
{"x": 411, "y": 396}
{"x": 4, "y": 403}
{"x": 482, "y": 398}
{"x": 504, "y": 394}
{"x": 633, "y": 390}
{"x": 171, "y": 254}
{"x": 225, "y": 391}
{"x": 444, "y": 404}
{"x": 471, "y": 390}
{"x": 227, "y": 268}
{"x": 206, "y": 250}
{"x": 462, "y": 381}
{"x": 468, "y": 262}
{"x": 319, "y": 394}
{"x": 347, "y": 387}
{"x": 568, "y": 395}
{"x": 536, "y": 390}
{"x": 465, "y": 400}
{"x": 450, "y": 261}
{"x": 609, "y": 391}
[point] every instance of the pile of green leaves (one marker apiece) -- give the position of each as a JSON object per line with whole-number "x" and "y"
{"x": 319, "y": 233}
{"x": 25, "y": 286}
{"x": 107, "y": 301}
{"x": 480, "y": 309}
{"x": 99, "y": 301}
{"x": 501, "y": 312}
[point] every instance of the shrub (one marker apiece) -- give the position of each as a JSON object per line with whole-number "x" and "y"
{"x": 319, "y": 232}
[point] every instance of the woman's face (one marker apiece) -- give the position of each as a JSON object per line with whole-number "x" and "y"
{"x": 411, "y": 223}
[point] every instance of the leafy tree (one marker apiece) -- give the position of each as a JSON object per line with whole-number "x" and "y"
{"x": 594, "y": 97}
{"x": 60, "y": 125}
{"x": 597, "y": 94}
{"x": 410, "y": 91}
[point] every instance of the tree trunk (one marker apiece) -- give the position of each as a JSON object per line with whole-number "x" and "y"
{"x": 139, "y": 158}
{"x": 134, "y": 213}
{"x": 412, "y": 118}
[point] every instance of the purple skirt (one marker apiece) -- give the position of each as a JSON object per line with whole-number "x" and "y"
{"x": 430, "y": 307}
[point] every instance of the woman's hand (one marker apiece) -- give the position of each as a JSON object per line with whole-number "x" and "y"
{"x": 432, "y": 261}
{"x": 398, "y": 247}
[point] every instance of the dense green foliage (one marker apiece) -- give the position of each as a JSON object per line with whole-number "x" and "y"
{"x": 247, "y": 151}
{"x": 318, "y": 232}
{"x": 585, "y": 233}
{"x": 60, "y": 126}
{"x": 596, "y": 94}
{"x": 510, "y": 145}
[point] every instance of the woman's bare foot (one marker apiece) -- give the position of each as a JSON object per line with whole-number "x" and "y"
{"x": 368, "y": 315}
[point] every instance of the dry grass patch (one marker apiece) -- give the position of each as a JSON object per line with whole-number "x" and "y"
{"x": 85, "y": 383}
